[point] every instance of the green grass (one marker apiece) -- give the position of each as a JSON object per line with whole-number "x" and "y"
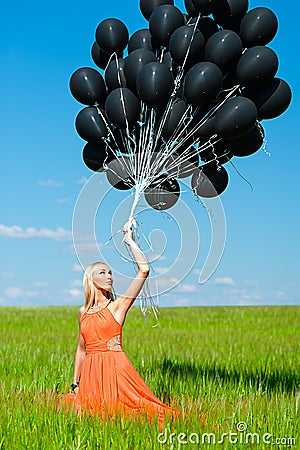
{"x": 225, "y": 364}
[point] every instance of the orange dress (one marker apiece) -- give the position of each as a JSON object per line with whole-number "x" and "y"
{"x": 109, "y": 383}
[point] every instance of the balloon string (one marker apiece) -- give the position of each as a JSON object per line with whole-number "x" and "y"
{"x": 261, "y": 132}
{"x": 191, "y": 41}
{"x": 206, "y": 117}
{"x": 239, "y": 173}
{"x": 216, "y": 156}
{"x": 170, "y": 148}
{"x": 186, "y": 154}
{"x": 161, "y": 57}
{"x": 148, "y": 150}
{"x": 105, "y": 122}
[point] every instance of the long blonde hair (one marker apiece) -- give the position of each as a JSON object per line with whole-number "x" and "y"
{"x": 89, "y": 288}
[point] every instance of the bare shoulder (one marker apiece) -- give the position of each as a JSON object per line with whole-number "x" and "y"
{"x": 80, "y": 312}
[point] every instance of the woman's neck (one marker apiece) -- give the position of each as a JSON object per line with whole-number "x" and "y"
{"x": 100, "y": 298}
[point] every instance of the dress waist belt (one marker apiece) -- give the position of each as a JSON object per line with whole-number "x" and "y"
{"x": 113, "y": 344}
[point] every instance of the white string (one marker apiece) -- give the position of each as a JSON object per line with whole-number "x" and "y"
{"x": 261, "y": 131}
{"x": 177, "y": 83}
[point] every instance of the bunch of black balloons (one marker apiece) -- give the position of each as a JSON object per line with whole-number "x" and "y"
{"x": 189, "y": 95}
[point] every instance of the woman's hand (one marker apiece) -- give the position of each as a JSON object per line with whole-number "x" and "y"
{"x": 128, "y": 235}
{"x": 76, "y": 390}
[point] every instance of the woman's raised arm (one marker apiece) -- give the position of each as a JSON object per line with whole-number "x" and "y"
{"x": 124, "y": 301}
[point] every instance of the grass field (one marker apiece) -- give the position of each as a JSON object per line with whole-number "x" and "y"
{"x": 237, "y": 367}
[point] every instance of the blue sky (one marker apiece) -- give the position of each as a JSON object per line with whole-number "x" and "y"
{"x": 42, "y": 174}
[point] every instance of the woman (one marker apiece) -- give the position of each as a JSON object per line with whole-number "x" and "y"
{"x": 105, "y": 381}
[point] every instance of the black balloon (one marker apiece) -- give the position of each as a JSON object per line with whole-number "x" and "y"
{"x": 202, "y": 83}
{"x": 90, "y": 125}
{"x": 230, "y": 79}
{"x": 190, "y": 8}
{"x": 95, "y": 155}
{"x": 179, "y": 168}
{"x": 272, "y": 99}
{"x": 256, "y": 66}
{"x": 141, "y": 39}
{"x": 228, "y": 12}
{"x": 167, "y": 60}
{"x": 87, "y": 86}
{"x": 118, "y": 173}
{"x": 208, "y": 181}
{"x": 247, "y": 144}
{"x": 207, "y": 26}
{"x": 164, "y": 21}
{"x": 101, "y": 58}
{"x": 122, "y": 107}
{"x": 235, "y": 118}
{"x": 258, "y": 27}
{"x": 114, "y": 74}
{"x": 173, "y": 118}
{"x": 154, "y": 84}
{"x": 112, "y": 35}
{"x": 148, "y": 6}
{"x": 134, "y": 63}
{"x": 185, "y": 44}
{"x": 202, "y": 6}
{"x": 163, "y": 193}
{"x": 224, "y": 49}
{"x": 206, "y": 130}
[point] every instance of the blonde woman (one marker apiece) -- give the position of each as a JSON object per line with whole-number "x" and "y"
{"x": 105, "y": 381}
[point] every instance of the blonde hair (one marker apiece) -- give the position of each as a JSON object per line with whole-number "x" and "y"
{"x": 89, "y": 288}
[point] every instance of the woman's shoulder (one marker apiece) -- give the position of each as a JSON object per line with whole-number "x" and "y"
{"x": 81, "y": 311}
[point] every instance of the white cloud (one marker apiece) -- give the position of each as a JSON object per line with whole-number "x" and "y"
{"x": 15, "y": 231}
{"x": 242, "y": 294}
{"x": 75, "y": 293}
{"x": 251, "y": 283}
{"x": 82, "y": 180}
{"x": 74, "y": 283}
{"x": 280, "y": 294}
{"x": 77, "y": 268}
{"x": 62, "y": 201}
{"x": 49, "y": 183}
{"x": 167, "y": 283}
{"x": 155, "y": 257}
{"x": 7, "y": 275}
{"x": 186, "y": 288}
{"x": 15, "y": 292}
{"x": 162, "y": 258}
{"x": 89, "y": 245}
{"x": 40, "y": 283}
{"x": 181, "y": 302}
{"x": 227, "y": 281}
{"x": 160, "y": 269}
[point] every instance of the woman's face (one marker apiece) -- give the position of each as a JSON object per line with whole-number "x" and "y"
{"x": 103, "y": 278}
